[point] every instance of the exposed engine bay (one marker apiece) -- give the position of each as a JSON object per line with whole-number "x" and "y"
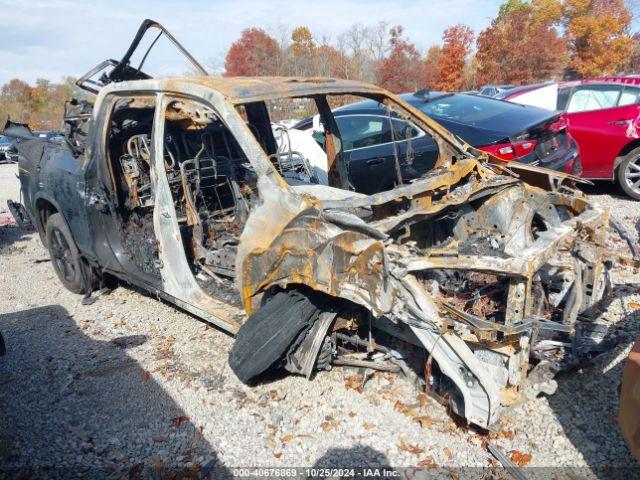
{"x": 494, "y": 260}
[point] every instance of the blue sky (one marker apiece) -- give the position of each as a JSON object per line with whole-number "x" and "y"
{"x": 52, "y": 38}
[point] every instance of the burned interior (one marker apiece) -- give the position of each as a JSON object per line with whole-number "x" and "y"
{"x": 477, "y": 278}
{"x": 212, "y": 185}
{"x": 129, "y": 160}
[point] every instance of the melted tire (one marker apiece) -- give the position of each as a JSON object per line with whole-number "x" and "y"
{"x": 264, "y": 340}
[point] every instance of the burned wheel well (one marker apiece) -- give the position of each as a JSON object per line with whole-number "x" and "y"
{"x": 44, "y": 210}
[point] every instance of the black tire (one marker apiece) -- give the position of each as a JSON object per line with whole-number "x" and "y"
{"x": 65, "y": 257}
{"x": 628, "y": 174}
{"x": 271, "y": 332}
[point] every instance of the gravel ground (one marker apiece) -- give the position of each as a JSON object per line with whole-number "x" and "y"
{"x": 131, "y": 386}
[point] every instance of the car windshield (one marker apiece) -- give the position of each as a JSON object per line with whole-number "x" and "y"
{"x": 5, "y": 139}
{"x": 466, "y": 108}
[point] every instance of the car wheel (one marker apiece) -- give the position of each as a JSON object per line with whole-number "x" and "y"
{"x": 64, "y": 254}
{"x": 629, "y": 174}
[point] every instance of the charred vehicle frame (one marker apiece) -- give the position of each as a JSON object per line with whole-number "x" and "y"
{"x": 177, "y": 186}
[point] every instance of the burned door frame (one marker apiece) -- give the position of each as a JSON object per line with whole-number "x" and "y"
{"x": 178, "y": 280}
{"x": 100, "y": 193}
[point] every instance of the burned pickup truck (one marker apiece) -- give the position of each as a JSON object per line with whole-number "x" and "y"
{"x": 476, "y": 278}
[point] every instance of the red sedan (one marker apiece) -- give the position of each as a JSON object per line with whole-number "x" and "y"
{"x": 604, "y": 118}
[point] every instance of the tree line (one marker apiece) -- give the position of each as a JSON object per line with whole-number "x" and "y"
{"x": 40, "y": 106}
{"x": 528, "y": 42}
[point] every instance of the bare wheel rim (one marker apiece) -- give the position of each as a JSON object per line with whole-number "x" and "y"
{"x": 632, "y": 174}
{"x": 62, "y": 255}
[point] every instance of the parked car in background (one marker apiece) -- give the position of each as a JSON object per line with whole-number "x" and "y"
{"x": 6, "y": 144}
{"x": 493, "y": 90}
{"x": 506, "y": 130}
{"x": 603, "y": 116}
{"x": 9, "y": 152}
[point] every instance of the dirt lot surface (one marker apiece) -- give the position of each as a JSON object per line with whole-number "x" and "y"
{"x": 131, "y": 386}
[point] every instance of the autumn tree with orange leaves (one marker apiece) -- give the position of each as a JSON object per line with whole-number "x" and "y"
{"x": 254, "y": 53}
{"x": 457, "y": 42}
{"x": 430, "y": 67}
{"x": 303, "y": 51}
{"x": 598, "y": 35}
{"x": 519, "y": 47}
{"x": 41, "y": 106}
{"x": 401, "y": 70}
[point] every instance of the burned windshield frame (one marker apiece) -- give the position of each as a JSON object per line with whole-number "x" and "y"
{"x": 123, "y": 71}
{"x": 337, "y": 168}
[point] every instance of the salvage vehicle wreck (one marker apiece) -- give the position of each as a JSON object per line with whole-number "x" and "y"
{"x": 478, "y": 280}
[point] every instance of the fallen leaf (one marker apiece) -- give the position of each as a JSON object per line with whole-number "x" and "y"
{"x": 634, "y": 305}
{"x": 108, "y": 314}
{"x": 422, "y": 399}
{"x": 271, "y": 438}
{"x": 413, "y": 449}
{"x": 509, "y": 434}
{"x": 424, "y": 421}
{"x": 428, "y": 462}
{"x": 177, "y": 421}
{"x": 369, "y": 426}
{"x": 277, "y": 454}
{"x": 286, "y": 438}
{"x": 354, "y": 382}
{"x": 447, "y": 453}
{"x": 326, "y": 426}
{"x": 408, "y": 410}
{"x": 520, "y": 459}
{"x": 159, "y": 438}
{"x": 145, "y": 376}
{"x": 135, "y": 470}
